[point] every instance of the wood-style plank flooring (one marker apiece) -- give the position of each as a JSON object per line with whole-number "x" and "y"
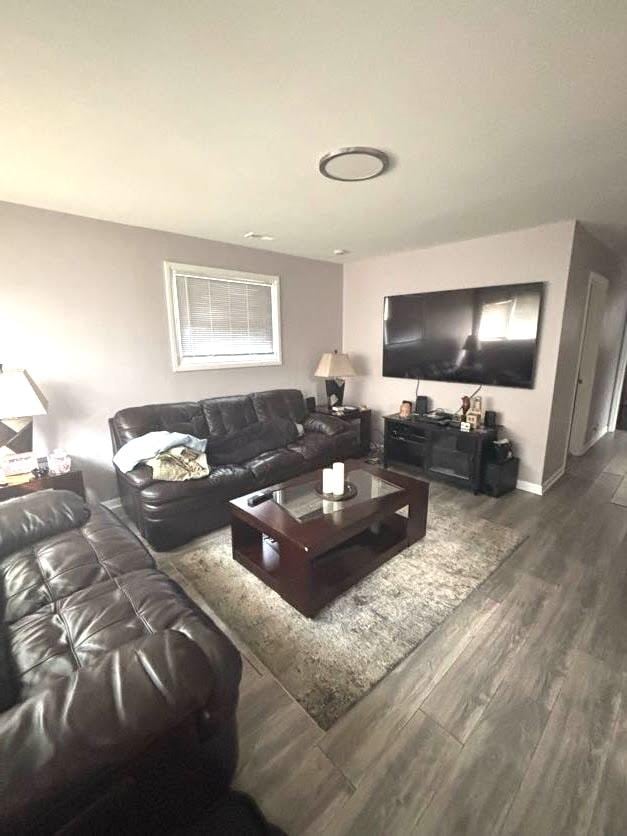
{"x": 510, "y": 718}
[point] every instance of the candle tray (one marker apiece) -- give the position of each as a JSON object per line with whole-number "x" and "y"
{"x": 350, "y": 491}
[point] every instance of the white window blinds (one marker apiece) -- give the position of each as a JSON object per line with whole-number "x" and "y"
{"x": 224, "y": 318}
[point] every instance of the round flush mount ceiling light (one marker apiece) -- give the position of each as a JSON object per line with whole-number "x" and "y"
{"x": 355, "y": 163}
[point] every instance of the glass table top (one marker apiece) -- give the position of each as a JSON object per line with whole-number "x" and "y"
{"x": 304, "y": 503}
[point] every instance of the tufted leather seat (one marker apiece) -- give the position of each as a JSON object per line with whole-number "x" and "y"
{"x": 275, "y": 465}
{"x": 171, "y": 513}
{"x": 80, "y": 602}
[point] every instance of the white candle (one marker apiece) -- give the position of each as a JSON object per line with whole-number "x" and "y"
{"x": 338, "y": 478}
{"x": 327, "y": 480}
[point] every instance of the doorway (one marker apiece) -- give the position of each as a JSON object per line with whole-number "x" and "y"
{"x": 581, "y": 435}
{"x": 621, "y": 420}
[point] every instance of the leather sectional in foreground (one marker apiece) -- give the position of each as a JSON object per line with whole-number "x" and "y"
{"x": 251, "y": 443}
{"x": 117, "y": 694}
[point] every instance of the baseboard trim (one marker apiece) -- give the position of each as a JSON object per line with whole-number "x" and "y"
{"x": 548, "y": 483}
{"x": 591, "y": 442}
{"x": 596, "y": 437}
{"x": 529, "y": 487}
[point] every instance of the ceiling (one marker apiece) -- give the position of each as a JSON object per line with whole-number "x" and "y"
{"x": 208, "y": 118}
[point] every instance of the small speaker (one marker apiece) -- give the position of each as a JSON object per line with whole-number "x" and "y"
{"x": 422, "y": 404}
{"x": 310, "y": 403}
{"x": 490, "y": 419}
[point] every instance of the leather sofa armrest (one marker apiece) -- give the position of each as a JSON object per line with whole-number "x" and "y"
{"x": 319, "y": 422}
{"x": 139, "y": 477}
{"x": 65, "y": 740}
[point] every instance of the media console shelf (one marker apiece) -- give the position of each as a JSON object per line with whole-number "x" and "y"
{"x": 447, "y": 453}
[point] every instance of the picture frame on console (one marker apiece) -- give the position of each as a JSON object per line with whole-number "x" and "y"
{"x": 405, "y": 409}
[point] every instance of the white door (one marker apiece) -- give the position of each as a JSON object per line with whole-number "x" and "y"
{"x": 588, "y": 356}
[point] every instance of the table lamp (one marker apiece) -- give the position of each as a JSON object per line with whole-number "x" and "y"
{"x": 334, "y": 367}
{"x": 20, "y": 400}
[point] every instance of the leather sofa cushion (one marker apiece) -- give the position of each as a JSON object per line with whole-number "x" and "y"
{"x": 275, "y": 465}
{"x": 41, "y": 574}
{"x": 241, "y": 446}
{"x": 30, "y": 518}
{"x": 280, "y": 403}
{"x": 224, "y": 416}
{"x": 224, "y": 482}
{"x": 313, "y": 447}
{"x": 184, "y": 417}
{"x": 56, "y": 641}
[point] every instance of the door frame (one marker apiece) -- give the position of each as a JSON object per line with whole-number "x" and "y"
{"x": 619, "y": 380}
{"x": 592, "y": 276}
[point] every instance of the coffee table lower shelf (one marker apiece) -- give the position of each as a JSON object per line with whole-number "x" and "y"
{"x": 309, "y": 583}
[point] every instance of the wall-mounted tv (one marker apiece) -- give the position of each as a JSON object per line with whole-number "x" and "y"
{"x": 482, "y": 335}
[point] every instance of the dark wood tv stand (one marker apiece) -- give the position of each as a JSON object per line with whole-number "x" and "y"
{"x": 440, "y": 451}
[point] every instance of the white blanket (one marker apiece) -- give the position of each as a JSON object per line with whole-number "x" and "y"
{"x": 147, "y": 446}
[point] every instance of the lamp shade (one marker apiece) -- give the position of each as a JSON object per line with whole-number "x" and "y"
{"x": 19, "y": 395}
{"x": 334, "y": 365}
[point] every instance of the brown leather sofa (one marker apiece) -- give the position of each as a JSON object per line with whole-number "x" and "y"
{"x": 118, "y": 694}
{"x": 171, "y": 513}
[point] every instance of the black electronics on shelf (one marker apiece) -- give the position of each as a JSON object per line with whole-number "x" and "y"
{"x": 440, "y": 450}
{"x": 500, "y": 476}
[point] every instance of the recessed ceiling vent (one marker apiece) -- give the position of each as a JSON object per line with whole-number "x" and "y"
{"x": 260, "y": 236}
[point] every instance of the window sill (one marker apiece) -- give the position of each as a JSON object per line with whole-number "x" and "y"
{"x": 200, "y": 365}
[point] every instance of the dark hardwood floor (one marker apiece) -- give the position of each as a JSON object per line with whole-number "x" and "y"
{"x": 510, "y": 718}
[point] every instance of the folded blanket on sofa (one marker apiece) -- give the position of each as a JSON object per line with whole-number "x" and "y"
{"x": 148, "y": 446}
{"x": 178, "y": 464}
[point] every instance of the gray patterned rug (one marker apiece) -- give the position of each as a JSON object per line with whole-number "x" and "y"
{"x": 330, "y": 662}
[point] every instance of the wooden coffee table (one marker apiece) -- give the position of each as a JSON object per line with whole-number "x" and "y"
{"x": 310, "y": 550}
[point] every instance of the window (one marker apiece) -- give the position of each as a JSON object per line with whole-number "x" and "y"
{"x": 222, "y": 318}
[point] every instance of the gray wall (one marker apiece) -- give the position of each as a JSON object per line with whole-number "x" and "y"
{"x": 588, "y": 255}
{"x": 82, "y": 307}
{"x": 528, "y": 255}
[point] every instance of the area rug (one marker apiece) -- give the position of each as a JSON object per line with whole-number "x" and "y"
{"x": 329, "y": 662}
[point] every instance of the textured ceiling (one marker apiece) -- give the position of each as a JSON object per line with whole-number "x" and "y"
{"x": 208, "y": 118}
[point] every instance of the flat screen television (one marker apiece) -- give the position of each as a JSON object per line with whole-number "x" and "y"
{"x": 482, "y": 335}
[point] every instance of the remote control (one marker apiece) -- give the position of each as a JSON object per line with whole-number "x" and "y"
{"x": 258, "y": 498}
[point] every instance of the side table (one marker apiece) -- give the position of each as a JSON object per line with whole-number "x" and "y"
{"x": 72, "y": 481}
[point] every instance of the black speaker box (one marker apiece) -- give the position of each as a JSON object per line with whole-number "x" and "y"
{"x": 310, "y": 404}
{"x": 489, "y": 418}
{"x": 500, "y": 477}
{"x": 422, "y": 405}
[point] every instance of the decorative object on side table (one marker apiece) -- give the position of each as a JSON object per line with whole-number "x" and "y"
{"x": 59, "y": 462}
{"x": 20, "y": 400}
{"x": 405, "y": 410}
{"x": 335, "y": 367}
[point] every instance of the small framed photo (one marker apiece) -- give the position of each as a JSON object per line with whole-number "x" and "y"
{"x": 406, "y": 408}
